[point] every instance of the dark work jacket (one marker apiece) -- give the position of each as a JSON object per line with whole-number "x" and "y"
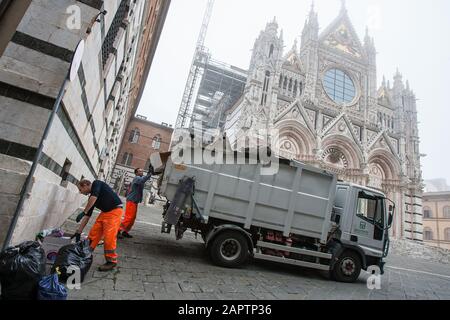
{"x": 137, "y": 189}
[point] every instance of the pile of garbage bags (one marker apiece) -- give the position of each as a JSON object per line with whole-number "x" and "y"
{"x": 23, "y": 270}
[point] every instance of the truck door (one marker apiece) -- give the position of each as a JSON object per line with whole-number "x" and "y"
{"x": 368, "y": 223}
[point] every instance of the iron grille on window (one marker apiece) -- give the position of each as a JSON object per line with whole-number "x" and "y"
{"x": 108, "y": 43}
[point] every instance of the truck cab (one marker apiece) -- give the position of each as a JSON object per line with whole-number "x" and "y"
{"x": 364, "y": 217}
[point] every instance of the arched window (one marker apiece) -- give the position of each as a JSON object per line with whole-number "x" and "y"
{"x": 156, "y": 144}
{"x": 266, "y": 82}
{"x": 127, "y": 159}
{"x": 271, "y": 51}
{"x": 134, "y": 136}
{"x": 281, "y": 81}
{"x": 427, "y": 234}
{"x": 285, "y": 83}
{"x": 447, "y": 234}
{"x": 290, "y": 85}
{"x": 295, "y": 88}
{"x": 427, "y": 213}
{"x": 265, "y": 89}
{"x": 447, "y": 212}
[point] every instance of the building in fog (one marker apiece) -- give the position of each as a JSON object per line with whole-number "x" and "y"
{"x": 325, "y": 100}
{"x": 436, "y": 185}
{"x": 142, "y": 139}
{"x": 37, "y": 45}
{"x": 436, "y": 219}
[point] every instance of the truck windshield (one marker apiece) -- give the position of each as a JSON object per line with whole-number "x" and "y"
{"x": 370, "y": 209}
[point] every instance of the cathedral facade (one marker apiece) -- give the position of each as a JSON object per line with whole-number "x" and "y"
{"x": 324, "y": 101}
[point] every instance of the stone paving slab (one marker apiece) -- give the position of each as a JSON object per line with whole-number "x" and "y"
{"x": 156, "y": 266}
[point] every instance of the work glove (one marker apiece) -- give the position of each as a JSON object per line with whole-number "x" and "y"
{"x": 77, "y": 237}
{"x": 80, "y": 217}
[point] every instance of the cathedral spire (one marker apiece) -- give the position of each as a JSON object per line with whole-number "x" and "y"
{"x": 311, "y": 28}
{"x": 343, "y": 7}
{"x": 369, "y": 45}
{"x": 366, "y": 37}
{"x": 398, "y": 83}
{"x": 312, "y": 8}
{"x": 294, "y": 47}
{"x": 312, "y": 19}
{"x": 272, "y": 27}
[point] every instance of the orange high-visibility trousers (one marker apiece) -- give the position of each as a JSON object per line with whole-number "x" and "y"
{"x": 130, "y": 216}
{"x": 106, "y": 227}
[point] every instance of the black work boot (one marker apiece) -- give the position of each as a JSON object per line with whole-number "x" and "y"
{"x": 126, "y": 235}
{"x": 107, "y": 267}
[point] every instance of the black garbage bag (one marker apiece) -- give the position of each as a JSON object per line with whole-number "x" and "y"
{"x": 76, "y": 255}
{"x": 21, "y": 269}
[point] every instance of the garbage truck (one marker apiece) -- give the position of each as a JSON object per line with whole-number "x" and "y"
{"x": 301, "y": 215}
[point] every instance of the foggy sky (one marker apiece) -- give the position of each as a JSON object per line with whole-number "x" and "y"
{"x": 411, "y": 35}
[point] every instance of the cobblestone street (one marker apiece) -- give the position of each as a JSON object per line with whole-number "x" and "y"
{"x": 156, "y": 266}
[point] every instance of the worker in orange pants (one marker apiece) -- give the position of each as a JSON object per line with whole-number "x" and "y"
{"x": 105, "y": 228}
{"x": 134, "y": 197}
{"x": 107, "y": 224}
{"x": 129, "y": 219}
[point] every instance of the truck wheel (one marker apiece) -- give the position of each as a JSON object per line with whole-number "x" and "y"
{"x": 347, "y": 268}
{"x": 229, "y": 249}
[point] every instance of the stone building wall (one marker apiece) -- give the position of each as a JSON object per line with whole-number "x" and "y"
{"x": 84, "y": 137}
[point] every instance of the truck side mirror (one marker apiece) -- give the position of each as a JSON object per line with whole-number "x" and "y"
{"x": 391, "y": 215}
{"x": 391, "y": 218}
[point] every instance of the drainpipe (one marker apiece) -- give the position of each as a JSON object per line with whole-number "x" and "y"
{"x": 4, "y": 4}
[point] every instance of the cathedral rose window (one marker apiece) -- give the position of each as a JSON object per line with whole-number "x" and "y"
{"x": 339, "y": 86}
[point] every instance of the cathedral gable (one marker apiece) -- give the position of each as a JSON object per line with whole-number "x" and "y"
{"x": 293, "y": 63}
{"x": 341, "y": 35}
{"x": 298, "y": 113}
{"x": 343, "y": 126}
{"x": 385, "y": 142}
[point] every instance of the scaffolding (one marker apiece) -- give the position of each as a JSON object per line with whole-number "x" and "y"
{"x": 185, "y": 108}
{"x": 220, "y": 87}
{"x": 212, "y": 88}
